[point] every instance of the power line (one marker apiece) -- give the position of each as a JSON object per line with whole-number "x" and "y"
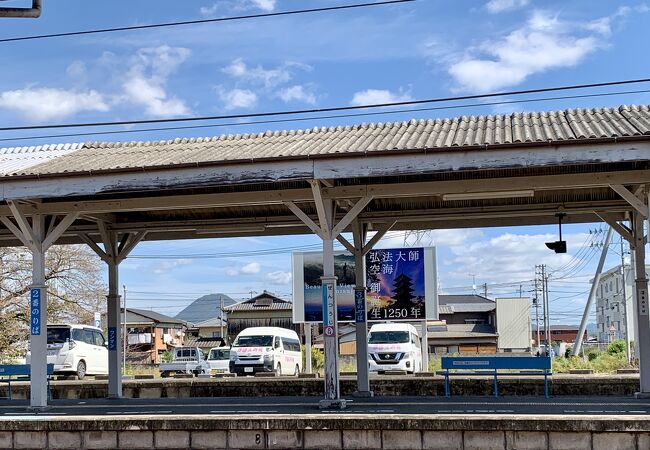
{"x": 201, "y": 21}
{"x": 331, "y": 109}
{"x": 326, "y": 117}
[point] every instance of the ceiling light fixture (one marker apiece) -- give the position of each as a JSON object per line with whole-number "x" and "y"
{"x": 488, "y": 195}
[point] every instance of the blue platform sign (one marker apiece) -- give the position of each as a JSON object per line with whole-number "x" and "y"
{"x": 35, "y": 312}
{"x": 112, "y": 339}
{"x": 359, "y": 306}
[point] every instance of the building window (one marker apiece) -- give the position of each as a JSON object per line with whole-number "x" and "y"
{"x": 474, "y": 321}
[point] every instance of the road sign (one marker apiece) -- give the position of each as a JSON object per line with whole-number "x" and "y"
{"x": 329, "y": 330}
{"x": 35, "y": 312}
{"x": 98, "y": 320}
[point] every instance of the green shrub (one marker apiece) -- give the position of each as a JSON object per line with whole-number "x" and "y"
{"x": 317, "y": 359}
{"x": 616, "y": 347}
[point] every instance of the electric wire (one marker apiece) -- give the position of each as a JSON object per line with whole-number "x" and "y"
{"x": 325, "y": 117}
{"x": 202, "y": 21}
{"x": 329, "y": 109}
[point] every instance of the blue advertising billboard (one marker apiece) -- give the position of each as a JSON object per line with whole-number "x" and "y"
{"x": 395, "y": 281}
{"x": 401, "y": 284}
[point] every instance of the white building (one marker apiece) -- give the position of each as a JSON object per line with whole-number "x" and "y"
{"x": 611, "y": 304}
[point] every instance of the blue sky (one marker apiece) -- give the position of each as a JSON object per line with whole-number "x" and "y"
{"x": 423, "y": 49}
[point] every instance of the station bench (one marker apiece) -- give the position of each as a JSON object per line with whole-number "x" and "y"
{"x": 20, "y": 372}
{"x": 522, "y": 365}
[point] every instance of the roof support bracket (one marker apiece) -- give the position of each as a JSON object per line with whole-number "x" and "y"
{"x": 631, "y": 198}
{"x": 621, "y": 229}
{"x": 304, "y": 218}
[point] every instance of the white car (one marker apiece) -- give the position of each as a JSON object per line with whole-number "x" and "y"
{"x": 76, "y": 350}
{"x": 266, "y": 349}
{"x": 219, "y": 359}
{"x": 394, "y": 346}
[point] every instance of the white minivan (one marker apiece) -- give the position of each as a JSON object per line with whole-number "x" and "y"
{"x": 266, "y": 349}
{"x": 394, "y": 346}
{"x": 76, "y": 350}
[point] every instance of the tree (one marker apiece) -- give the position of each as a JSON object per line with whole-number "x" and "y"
{"x": 403, "y": 288}
{"x": 75, "y": 291}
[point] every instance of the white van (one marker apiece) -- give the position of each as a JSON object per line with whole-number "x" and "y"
{"x": 394, "y": 346}
{"x": 266, "y": 349}
{"x": 219, "y": 359}
{"x": 76, "y": 350}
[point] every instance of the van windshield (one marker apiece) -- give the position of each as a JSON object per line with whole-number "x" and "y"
{"x": 219, "y": 355}
{"x": 388, "y": 337}
{"x": 253, "y": 341}
{"x": 58, "y": 335}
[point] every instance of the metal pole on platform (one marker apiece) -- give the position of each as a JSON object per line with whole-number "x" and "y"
{"x": 360, "y": 313}
{"x": 125, "y": 338}
{"x": 114, "y": 330}
{"x": 38, "y": 318}
{"x": 307, "y": 329}
{"x": 641, "y": 295}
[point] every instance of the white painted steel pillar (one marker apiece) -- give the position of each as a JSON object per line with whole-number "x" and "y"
{"x": 360, "y": 313}
{"x": 307, "y": 328}
{"x": 113, "y": 253}
{"x": 641, "y": 303}
{"x": 114, "y": 332}
{"x": 330, "y": 330}
{"x": 37, "y": 238}
{"x": 38, "y": 318}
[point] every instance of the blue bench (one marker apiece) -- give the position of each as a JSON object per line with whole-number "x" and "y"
{"x": 524, "y": 364}
{"x": 20, "y": 372}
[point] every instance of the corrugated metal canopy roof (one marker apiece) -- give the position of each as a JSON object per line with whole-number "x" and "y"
{"x": 533, "y": 128}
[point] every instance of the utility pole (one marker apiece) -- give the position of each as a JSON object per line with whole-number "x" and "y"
{"x": 541, "y": 272}
{"x": 126, "y": 337}
{"x": 221, "y": 318}
{"x": 547, "y": 313}
{"x": 537, "y": 309}
{"x": 627, "y": 328}
{"x": 485, "y": 290}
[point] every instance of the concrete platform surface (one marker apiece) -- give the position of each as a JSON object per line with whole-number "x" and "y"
{"x": 405, "y": 405}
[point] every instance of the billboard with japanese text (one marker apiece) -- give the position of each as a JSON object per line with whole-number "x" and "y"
{"x": 401, "y": 285}
{"x": 396, "y": 281}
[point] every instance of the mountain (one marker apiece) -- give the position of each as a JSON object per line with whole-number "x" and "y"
{"x": 205, "y": 308}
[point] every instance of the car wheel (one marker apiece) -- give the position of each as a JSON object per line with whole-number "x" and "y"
{"x": 296, "y": 371}
{"x": 81, "y": 370}
{"x": 278, "y": 370}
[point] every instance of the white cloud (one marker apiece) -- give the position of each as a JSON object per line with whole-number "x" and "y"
{"x": 41, "y": 104}
{"x": 237, "y": 6}
{"x": 209, "y": 11}
{"x": 248, "y": 269}
{"x": 167, "y": 266}
{"x": 536, "y": 47}
{"x": 497, "y": 6}
{"x": 297, "y": 93}
{"x": 146, "y": 80}
{"x": 237, "y": 98}
{"x": 77, "y": 70}
{"x": 509, "y": 256}
{"x": 258, "y": 75}
{"x": 378, "y": 96}
{"x": 251, "y": 268}
{"x": 279, "y": 277}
